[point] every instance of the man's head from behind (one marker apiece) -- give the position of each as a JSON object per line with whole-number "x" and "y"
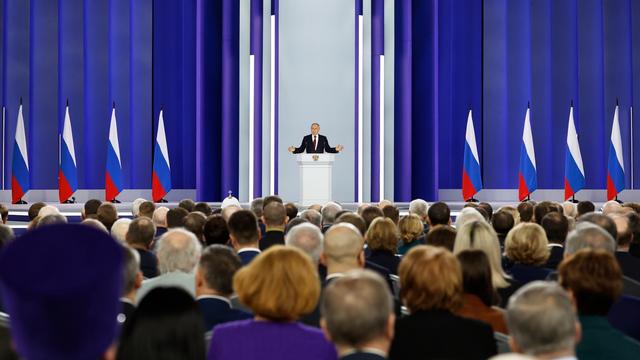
{"x": 175, "y": 217}
{"x": 218, "y": 264}
{"x": 542, "y": 320}
{"x": 308, "y": 238}
{"x": 588, "y": 236}
{"x": 556, "y": 226}
{"x": 502, "y": 222}
{"x": 107, "y": 214}
{"x": 178, "y": 250}
{"x": 343, "y": 247}
{"x": 603, "y": 221}
{"x": 329, "y": 212}
{"x": 274, "y": 215}
{"x": 243, "y": 229}
{"x": 357, "y": 310}
{"x": 141, "y": 233}
{"x": 90, "y": 208}
{"x": 146, "y": 209}
{"x": 439, "y": 214}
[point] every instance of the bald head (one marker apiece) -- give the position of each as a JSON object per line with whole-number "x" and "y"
{"x": 342, "y": 244}
{"x": 228, "y": 211}
{"x": 178, "y": 250}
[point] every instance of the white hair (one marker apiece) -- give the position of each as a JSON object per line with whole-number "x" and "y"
{"x": 119, "y": 229}
{"x": 48, "y": 210}
{"x": 419, "y": 207}
{"x": 570, "y": 209}
{"x": 329, "y": 212}
{"x": 468, "y": 215}
{"x": 610, "y": 207}
{"x": 160, "y": 216}
{"x": 178, "y": 250}
{"x": 308, "y": 238}
{"x": 135, "y": 206}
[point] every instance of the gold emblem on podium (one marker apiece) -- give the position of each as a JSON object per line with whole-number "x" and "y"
{"x": 315, "y": 157}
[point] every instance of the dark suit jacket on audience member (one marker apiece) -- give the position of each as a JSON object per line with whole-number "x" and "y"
{"x": 439, "y": 334}
{"x": 601, "y": 341}
{"x": 555, "y": 257}
{"x": 218, "y": 311}
{"x": 247, "y": 255}
{"x": 362, "y": 355}
{"x": 630, "y": 265}
{"x": 385, "y": 259}
{"x": 271, "y": 237}
{"x": 527, "y": 273}
{"x": 127, "y": 309}
{"x": 148, "y": 264}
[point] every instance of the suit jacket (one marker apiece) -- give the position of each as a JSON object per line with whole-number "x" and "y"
{"x": 601, "y": 341}
{"x": 218, "y": 311}
{"x": 127, "y": 310}
{"x": 362, "y": 355}
{"x": 322, "y": 146}
{"x": 148, "y": 264}
{"x": 385, "y": 259}
{"x": 439, "y": 334}
{"x": 555, "y": 257}
{"x": 247, "y": 255}
{"x": 271, "y": 238}
{"x": 630, "y": 265}
{"x": 185, "y": 281}
{"x": 525, "y": 274}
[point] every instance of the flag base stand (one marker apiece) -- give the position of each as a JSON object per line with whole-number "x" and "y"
{"x": 115, "y": 201}
{"x": 163, "y": 200}
{"x": 70, "y": 200}
{"x": 573, "y": 200}
{"x": 528, "y": 198}
{"x": 20, "y": 202}
{"x": 618, "y": 200}
{"x": 472, "y": 200}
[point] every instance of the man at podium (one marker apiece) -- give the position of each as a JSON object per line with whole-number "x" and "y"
{"x": 315, "y": 143}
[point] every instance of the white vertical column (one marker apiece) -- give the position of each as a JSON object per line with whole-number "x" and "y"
{"x": 272, "y": 117}
{"x": 360, "y": 108}
{"x": 382, "y": 142}
{"x": 252, "y": 76}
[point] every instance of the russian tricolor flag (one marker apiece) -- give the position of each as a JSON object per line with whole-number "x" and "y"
{"x": 20, "y": 165}
{"x": 113, "y": 176}
{"x": 161, "y": 182}
{"x": 615, "y": 165}
{"x": 68, "y": 174}
{"x": 471, "y": 179}
{"x": 528, "y": 181}
{"x": 573, "y": 168}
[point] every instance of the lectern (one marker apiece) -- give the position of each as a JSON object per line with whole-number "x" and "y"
{"x": 315, "y": 178}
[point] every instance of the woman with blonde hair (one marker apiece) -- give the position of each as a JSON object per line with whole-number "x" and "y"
{"x": 481, "y": 236}
{"x": 411, "y": 233}
{"x": 382, "y": 240}
{"x": 279, "y": 286}
{"x": 527, "y": 250}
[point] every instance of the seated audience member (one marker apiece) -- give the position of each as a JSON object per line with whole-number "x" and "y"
{"x": 140, "y": 238}
{"x": 611, "y": 207}
{"x": 633, "y": 205}
{"x": 502, "y": 223}
{"x": 70, "y": 319}
{"x": 594, "y": 279}
{"x": 525, "y": 210}
{"x": 634, "y": 245}
{"x": 353, "y": 219}
{"x": 4, "y": 213}
{"x": 588, "y": 236}
{"x": 468, "y": 215}
{"x": 48, "y": 210}
{"x": 107, "y": 214}
{"x": 204, "y": 208}
{"x": 602, "y": 221}
{"x": 52, "y": 219}
{"x": 216, "y": 231}
{"x": 384, "y": 202}
{"x": 488, "y": 210}
{"x": 90, "y": 209}
{"x": 293, "y": 223}
{"x": 541, "y": 209}
{"x": 135, "y": 206}
{"x": 556, "y": 226}
{"x": 278, "y": 297}
{"x": 166, "y": 325}
{"x": 312, "y": 216}
{"x": 132, "y": 281}
{"x": 382, "y": 238}
{"x": 343, "y": 251}
{"x": 244, "y": 235}
{"x": 411, "y": 233}
{"x": 420, "y": 208}
{"x": 146, "y": 209}
{"x": 480, "y": 235}
{"x": 160, "y": 220}
{"x": 292, "y": 210}
{"x": 527, "y": 251}
{"x": 194, "y": 222}
{"x": 256, "y": 206}
{"x": 95, "y": 224}
{"x": 274, "y": 217}
{"x": 178, "y": 253}
{"x": 329, "y": 212}
{"x": 271, "y": 198}
{"x": 316, "y": 207}
{"x": 513, "y": 212}
{"x": 187, "y": 204}
{"x": 6, "y": 235}
{"x": 570, "y": 209}
{"x": 479, "y": 293}
{"x": 442, "y": 236}
{"x": 371, "y": 213}
{"x": 543, "y": 322}
{"x": 357, "y": 316}
{"x": 214, "y": 286}
{"x": 391, "y": 212}
{"x": 228, "y": 211}
{"x": 119, "y": 229}
{"x": 585, "y": 207}
{"x": 439, "y": 214}
{"x": 431, "y": 288}
{"x": 34, "y": 209}
{"x": 624, "y": 225}
{"x": 175, "y": 217}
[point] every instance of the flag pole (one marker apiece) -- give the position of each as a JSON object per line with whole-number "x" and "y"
{"x": 3, "y": 144}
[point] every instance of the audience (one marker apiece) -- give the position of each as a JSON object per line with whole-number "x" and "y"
{"x": 442, "y": 236}
{"x": 178, "y": 254}
{"x": 132, "y": 282}
{"x": 382, "y": 239}
{"x": 146, "y": 209}
{"x": 439, "y": 214}
{"x": 353, "y": 219}
{"x": 214, "y": 286}
{"x": 95, "y": 224}
{"x": 625, "y": 225}
{"x": 244, "y": 235}
{"x": 432, "y": 289}
{"x": 488, "y": 209}
{"x": 585, "y": 207}
{"x": 194, "y": 222}
{"x": 52, "y": 219}
{"x": 502, "y": 223}
{"x": 329, "y": 212}
{"x": 541, "y": 209}
{"x": 468, "y": 215}
{"x": 187, "y": 204}
{"x": 602, "y": 221}
{"x": 119, "y": 229}
{"x": 312, "y": 216}
{"x": 293, "y": 223}
{"x": 525, "y": 210}
{"x": 278, "y": 297}
{"x": 570, "y": 209}
{"x": 542, "y": 322}
{"x": 556, "y": 226}
{"x": 391, "y": 212}
{"x": 343, "y": 251}
{"x": 4, "y": 213}
{"x": 411, "y": 230}
{"x": 594, "y": 280}
{"x": 166, "y": 325}
{"x": 357, "y": 316}
{"x": 274, "y": 216}
{"x": 215, "y": 231}
{"x": 292, "y": 210}
{"x": 420, "y": 208}
{"x": 175, "y": 217}
{"x": 89, "y": 209}
{"x": 6, "y": 235}
{"x": 204, "y": 208}
{"x": 479, "y": 293}
{"x": 107, "y": 214}
{"x": 135, "y": 207}
{"x": 307, "y": 238}
{"x": 527, "y": 250}
{"x": 160, "y": 220}
{"x": 140, "y": 238}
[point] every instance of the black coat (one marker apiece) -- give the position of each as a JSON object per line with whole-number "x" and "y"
{"x": 322, "y": 146}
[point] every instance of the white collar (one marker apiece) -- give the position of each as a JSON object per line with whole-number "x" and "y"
{"x": 555, "y": 245}
{"x": 248, "y": 249}
{"x": 218, "y": 297}
{"x": 365, "y": 350}
{"x": 334, "y": 275}
{"x": 127, "y": 300}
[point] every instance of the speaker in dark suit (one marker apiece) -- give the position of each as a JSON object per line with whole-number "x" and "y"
{"x": 217, "y": 310}
{"x": 315, "y": 143}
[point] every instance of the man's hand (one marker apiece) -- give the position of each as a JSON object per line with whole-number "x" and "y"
{"x": 291, "y": 148}
{"x": 339, "y": 147}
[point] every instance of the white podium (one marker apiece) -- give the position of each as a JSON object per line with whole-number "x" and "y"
{"x": 315, "y": 178}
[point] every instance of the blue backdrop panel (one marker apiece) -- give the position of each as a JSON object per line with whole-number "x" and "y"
{"x": 635, "y": 51}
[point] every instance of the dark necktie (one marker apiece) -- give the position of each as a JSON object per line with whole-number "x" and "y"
{"x": 314, "y": 143}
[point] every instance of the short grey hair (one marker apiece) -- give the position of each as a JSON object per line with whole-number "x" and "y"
{"x": 419, "y": 207}
{"x": 95, "y": 224}
{"x": 131, "y": 267}
{"x": 308, "y": 238}
{"x": 329, "y": 212}
{"x": 312, "y": 216}
{"x": 48, "y": 210}
{"x": 541, "y": 318}
{"x": 178, "y": 250}
{"x": 570, "y": 209}
{"x": 468, "y": 215}
{"x": 160, "y": 216}
{"x": 52, "y": 219}
{"x": 135, "y": 206}
{"x": 589, "y": 236}
{"x": 256, "y": 206}
{"x": 119, "y": 230}
{"x": 356, "y": 308}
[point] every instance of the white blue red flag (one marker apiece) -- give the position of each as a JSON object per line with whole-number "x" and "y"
{"x": 471, "y": 177}
{"x": 113, "y": 176}
{"x": 68, "y": 174}
{"x": 20, "y": 164}
{"x": 573, "y": 169}
{"x": 161, "y": 181}
{"x": 527, "y": 175}
{"x": 615, "y": 165}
